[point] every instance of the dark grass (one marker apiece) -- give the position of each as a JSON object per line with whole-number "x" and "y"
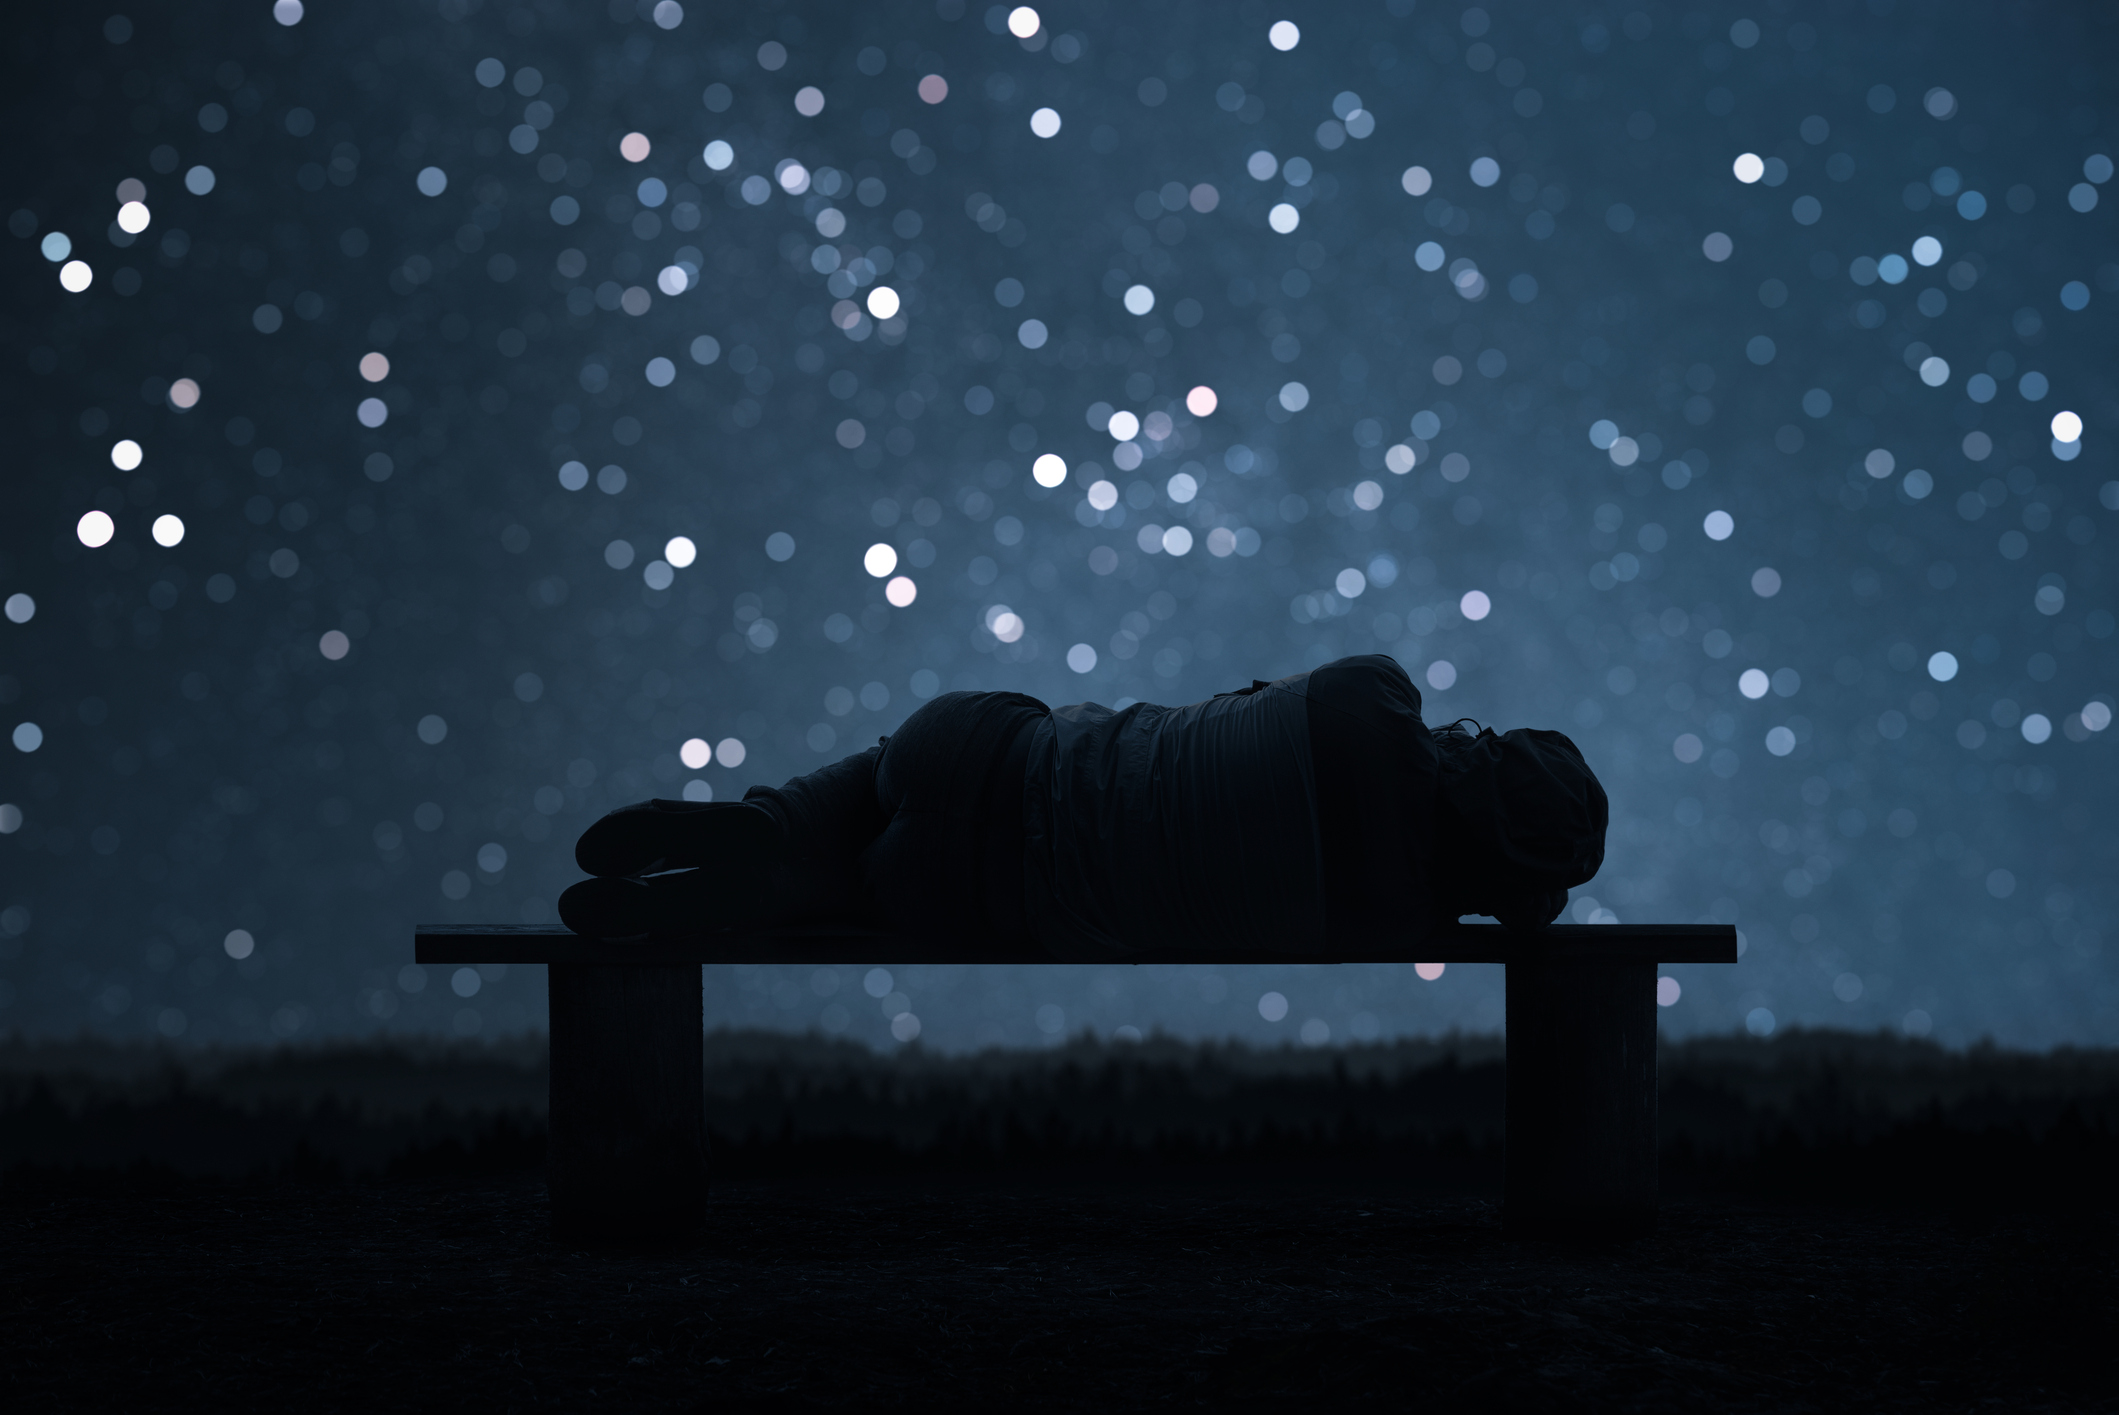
{"x": 1818, "y": 1117}
{"x": 1851, "y": 1223}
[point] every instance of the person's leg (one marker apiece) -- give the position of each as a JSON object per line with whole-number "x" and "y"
{"x": 918, "y": 832}
{"x": 948, "y": 859}
{"x": 828, "y": 817}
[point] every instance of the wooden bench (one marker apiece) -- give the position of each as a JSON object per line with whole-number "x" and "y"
{"x": 626, "y": 1157}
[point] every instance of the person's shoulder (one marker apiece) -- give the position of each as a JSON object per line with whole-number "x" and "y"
{"x": 1369, "y": 667}
{"x": 1373, "y": 676}
{"x": 1381, "y": 663}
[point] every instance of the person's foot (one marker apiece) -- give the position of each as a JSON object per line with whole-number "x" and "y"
{"x": 619, "y": 910}
{"x": 734, "y": 839}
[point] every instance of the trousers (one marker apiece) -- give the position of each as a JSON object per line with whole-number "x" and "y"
{"x": 922, "y": 833}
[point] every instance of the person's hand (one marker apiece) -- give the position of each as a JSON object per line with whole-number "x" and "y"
{"x": 1528, "y": 910}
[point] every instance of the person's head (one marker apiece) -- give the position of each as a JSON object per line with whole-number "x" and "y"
{"x": 1520, "y": 820}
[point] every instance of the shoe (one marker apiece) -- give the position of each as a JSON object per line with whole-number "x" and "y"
{"x": 733, "y": 838}
{"x": 682, "y": 904}
{"x": 616, "y": 910}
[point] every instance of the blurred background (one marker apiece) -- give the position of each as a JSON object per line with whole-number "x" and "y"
{"x": 436, "y": 424}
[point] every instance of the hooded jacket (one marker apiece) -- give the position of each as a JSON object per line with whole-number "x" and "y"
{"x": 1282, "y": 816}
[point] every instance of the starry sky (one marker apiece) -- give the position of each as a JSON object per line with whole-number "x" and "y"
{"x": 434, "y": 424}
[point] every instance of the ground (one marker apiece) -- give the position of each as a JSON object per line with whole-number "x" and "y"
{"x": 1177, "y": 1292}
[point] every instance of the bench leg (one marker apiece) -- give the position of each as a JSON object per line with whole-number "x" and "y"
{"x": 1581, "y": 1099}
{"x": 626, "y": 1157}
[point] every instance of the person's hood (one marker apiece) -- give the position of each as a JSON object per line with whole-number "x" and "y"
{"x": 1528, "y": 802}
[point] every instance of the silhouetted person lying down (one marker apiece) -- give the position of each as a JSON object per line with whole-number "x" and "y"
{"x": 1316, "y": 807}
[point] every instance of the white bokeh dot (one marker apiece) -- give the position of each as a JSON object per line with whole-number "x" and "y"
{"x": 95, "y": 529}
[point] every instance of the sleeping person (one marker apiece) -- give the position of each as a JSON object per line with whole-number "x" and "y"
{"x": 1317, "y": 812}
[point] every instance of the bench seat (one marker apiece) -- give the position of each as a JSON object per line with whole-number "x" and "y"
{"x": 626, "y": 1154}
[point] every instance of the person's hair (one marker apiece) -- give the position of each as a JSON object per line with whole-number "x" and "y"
{"x": 1520, "y": 820}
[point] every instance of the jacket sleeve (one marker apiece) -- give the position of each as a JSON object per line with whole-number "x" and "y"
{"x": 1376, "y": 774}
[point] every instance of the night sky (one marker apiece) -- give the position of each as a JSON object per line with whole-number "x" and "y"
{"x": 433, "y": 425}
